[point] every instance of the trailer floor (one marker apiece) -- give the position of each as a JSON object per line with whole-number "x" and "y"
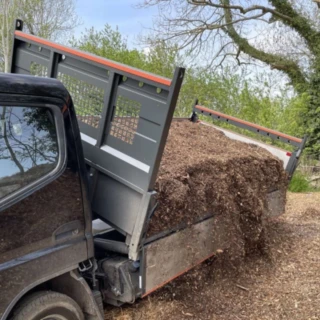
{"x": 282, "y": 284}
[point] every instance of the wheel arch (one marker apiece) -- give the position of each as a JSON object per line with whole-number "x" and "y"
{"x": 70, "y": 283}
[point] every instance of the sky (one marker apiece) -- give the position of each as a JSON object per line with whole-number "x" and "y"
{"x": 130, "y": 20}
{"x": 125, "y": 15}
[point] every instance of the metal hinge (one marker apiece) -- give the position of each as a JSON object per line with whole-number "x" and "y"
{"x": 85, "y": 265}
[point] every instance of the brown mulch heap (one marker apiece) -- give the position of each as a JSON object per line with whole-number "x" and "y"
{"x": 283, "y": 285}
{"x": 204, "y": 172}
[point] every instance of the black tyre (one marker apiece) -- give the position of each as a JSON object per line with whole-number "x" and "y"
{"x": 48, "y": 305}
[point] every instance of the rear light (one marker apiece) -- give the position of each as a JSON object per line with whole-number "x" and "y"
{"x": 289, "y": 154}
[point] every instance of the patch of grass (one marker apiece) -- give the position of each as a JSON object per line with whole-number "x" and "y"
{"x": 300, "y": 183}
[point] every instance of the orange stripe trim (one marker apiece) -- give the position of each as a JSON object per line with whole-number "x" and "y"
{"x": 93, "y": 58}
{"x": 178, "y": 275}
{"x": 282, "y": 135}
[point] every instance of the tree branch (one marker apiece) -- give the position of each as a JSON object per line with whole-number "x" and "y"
{"x": 300, "y": 24}
{"x": 285, "y": 65}
{"x": 214, "y": 26}
{"x": 241, "y": 8}
{"x": 12, "y": 154}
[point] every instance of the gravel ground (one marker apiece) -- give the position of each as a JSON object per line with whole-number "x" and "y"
{"x": 283, "y": 283}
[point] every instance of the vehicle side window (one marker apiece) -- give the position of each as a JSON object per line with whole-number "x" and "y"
{"x": 28, "y": 146}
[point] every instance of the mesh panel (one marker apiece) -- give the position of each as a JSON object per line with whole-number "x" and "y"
{"x": 87, "y": 99}
{"x": 38, "y": 70}
{"x": 125, "y": 121}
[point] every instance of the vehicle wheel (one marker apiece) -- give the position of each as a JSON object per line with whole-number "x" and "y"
{"x": 48, "y": 305}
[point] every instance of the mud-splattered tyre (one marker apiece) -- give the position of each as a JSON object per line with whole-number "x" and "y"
{"x": 47, "y": 305}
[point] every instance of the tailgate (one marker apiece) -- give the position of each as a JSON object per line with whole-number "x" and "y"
{"x": 124, "y": 116}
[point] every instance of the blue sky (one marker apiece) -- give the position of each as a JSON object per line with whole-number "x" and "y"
{"x": 122, "y": 13}
{"x": 131, "y": 21}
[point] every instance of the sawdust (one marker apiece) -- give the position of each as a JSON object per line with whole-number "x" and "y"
{"x": 281, "y": 285}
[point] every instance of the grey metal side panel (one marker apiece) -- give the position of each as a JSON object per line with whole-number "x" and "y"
{"x": 124, "y": 121}
{"x": 169, "y": 257}
{"x": 175, "y": 254}
{"x": 118, "y": 203}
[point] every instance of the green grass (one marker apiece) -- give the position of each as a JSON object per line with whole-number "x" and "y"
{"x": 300, "y": 183}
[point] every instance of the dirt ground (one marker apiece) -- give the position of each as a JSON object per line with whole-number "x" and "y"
{"x": 283, "y": 283}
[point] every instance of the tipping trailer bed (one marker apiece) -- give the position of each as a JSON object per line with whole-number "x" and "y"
{"x": 124, "y": 116}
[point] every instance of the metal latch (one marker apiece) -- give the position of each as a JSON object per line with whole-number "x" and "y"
{"x": 85, "y": 265}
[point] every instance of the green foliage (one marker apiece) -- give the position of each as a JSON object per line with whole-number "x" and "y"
{"x": 292, "y": 116}
{"x": 108, "y": 43}
{"x": 300, "y": 183}
{"x": 226, "y": 92}
{"x": 44, "y": 18}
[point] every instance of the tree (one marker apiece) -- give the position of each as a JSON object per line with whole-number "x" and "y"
{"x": 45, "y": 18}
{"x": 282, "y": 34}
{"x": 223, "y": 91}
{"x": 109, "y": 43}
{"x": 312, "y": 116}
{"x": 28, "y": 146}
{"x": 7, "y": 11}
{"x": 197, "y": 25}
